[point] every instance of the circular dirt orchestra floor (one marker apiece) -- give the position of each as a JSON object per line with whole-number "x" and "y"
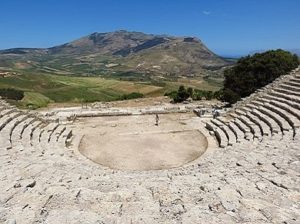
{"x": 136, "y": 143}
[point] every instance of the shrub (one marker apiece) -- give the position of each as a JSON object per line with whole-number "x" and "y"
{"x": 12, "y": 94}
{"x": 218, "y": 94}
{"x": 171, "y": 94}
{"x": 200, "y": 94}
{"x": 196, "y": 94}
{"x": 133, "y": 95}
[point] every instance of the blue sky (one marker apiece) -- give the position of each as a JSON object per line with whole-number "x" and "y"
{"x": 228, "y": 27}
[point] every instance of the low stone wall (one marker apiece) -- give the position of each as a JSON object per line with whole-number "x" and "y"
{"x": 71, "y": 113}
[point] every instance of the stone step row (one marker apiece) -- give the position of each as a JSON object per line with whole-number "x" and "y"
{"x": 249, "y": 121}
{"x": 293, "y": 121}
{"x": 292, "y": 83}
{"x": 285, "y": 96}
{"x": 6, "y": 132}
{"x": 37, "y": 134}
{"x": 231, "y": 138}
{"x": 219, "y": 133}
{"x": 282, "y": 123}
{"x": 21, "y": 130}
{"x": 6, "y": 119}
{"x": 248, "y": 135}
{"x": 282, "y": 100}
{"x": 24, "y": 130}
{"x": 287, "y": 91}
{"x": 265, "y": 129}
{"x": 295, "y": 79}
{"x": 290, "y": 86}
{"x": 264, "y": 117}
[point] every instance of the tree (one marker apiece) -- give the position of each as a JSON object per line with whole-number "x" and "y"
{"x": 182, "y": 94}
{"x": 253, "y": 72}
{"x": 230, "y": 96}
{"x": 190, "y": 91}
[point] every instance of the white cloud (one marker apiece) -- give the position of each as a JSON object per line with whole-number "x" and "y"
{"x": 207, "y": 13}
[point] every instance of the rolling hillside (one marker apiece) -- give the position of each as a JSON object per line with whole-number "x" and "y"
{"x": 160, "y": 61}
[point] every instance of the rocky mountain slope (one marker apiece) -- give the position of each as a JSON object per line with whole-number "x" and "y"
{"x": 119, "y": 52}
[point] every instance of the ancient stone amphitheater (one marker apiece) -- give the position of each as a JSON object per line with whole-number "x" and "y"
{"x": 252, "y": 177}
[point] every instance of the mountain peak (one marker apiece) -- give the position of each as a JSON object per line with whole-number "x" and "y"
{"x": 161, "y": 54}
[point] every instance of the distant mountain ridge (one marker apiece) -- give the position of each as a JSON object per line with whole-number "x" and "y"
{"x": 121, "y": 51}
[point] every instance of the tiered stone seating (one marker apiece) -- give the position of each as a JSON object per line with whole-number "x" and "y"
{"x": 292, "y": 83}
{"x": 284, "y": 96}
{"x": 7, "y": 130}
{"x": 273, "y": 117}
{"x": 259, "y": 113}
{"x": 229, "y": 134}
{"x": 291, "y": 119}
{"x": 54, "y": 127}
{"x": 286, "y": 91}
{"x": 24, "y": 130}
{"x": 274, "y": 99}
{"x": 240, "y": 136}
{"x": 292, "y": 112}
{"x": 232, "y": 135}
{"x": 16, "y": 135}
{"x": 254, "y": 128}
{"x": 19, "y": 121}
{"x": 220, "y": 135}
{"x": 242, "y": 126}
{"x": 263, "y": 126}
{"x": 273, "y": 111}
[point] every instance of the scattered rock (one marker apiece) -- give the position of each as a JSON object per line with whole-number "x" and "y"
{"x": 17, "y": 185}
{"x": 31, "y": 184}
{"x": 77, "y": 194}
{"x": 274, "y": 164}
{"x": 216, "y": 207}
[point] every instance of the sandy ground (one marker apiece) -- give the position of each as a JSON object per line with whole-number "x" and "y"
{"x": 136, "y": 143}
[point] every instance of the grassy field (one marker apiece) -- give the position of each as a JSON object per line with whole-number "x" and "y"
{"x": 42, "y": 89}
{"x": 34, "y": 100}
